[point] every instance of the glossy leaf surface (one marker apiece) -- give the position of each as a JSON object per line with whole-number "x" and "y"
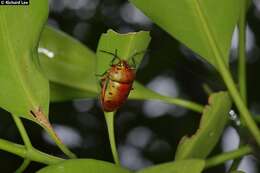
{"x": 23, "y": 86}
{"x": 202, "y": 25}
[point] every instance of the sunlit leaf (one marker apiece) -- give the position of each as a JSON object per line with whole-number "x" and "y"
{"x": 202, "y": 25}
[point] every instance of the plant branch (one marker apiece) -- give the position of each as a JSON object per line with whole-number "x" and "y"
{"x": 222, "y": 158}
{"x": 226, "y": 75}
{"x": 245, "y": 114}
{"x": 31, "y": 154}
{"x": 109, "y": 116}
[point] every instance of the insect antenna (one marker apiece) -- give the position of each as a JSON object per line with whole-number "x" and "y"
{"x": 110, "y": 53}
{"x": 134, "y": 55}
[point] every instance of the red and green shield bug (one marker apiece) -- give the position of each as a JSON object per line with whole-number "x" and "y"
{"x": 116, "y": 82}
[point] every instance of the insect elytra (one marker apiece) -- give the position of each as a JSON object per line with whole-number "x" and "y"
{"x": 116, "y": 83}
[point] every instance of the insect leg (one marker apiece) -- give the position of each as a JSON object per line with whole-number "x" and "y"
{"x": 101, "y": 75}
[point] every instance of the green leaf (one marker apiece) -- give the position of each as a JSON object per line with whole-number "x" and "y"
{"x": 237, "y": 172}
{"x": 213, "y": 121}
{"x": 181, "y": 166}
{"x": 83, "y": 166}
{"x": 23, "y": 87}
{"x": 202, "y": 25}
{"x": 66, "y": 62}
{"x": 125, "y": 44}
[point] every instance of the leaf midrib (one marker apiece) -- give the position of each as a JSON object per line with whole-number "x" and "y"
{"x": 12, "y": 60}
{"x": 207, "y": 30}
{"x": 132, "y": 36}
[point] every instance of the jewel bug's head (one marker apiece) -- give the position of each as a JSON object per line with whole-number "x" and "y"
{"x": 123, "y": 64}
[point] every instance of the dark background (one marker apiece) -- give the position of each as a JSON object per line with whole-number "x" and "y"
{"x": 147, "y": 133}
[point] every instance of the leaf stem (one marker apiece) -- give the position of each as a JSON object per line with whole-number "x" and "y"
{"x": 183, "y": 103}
{"x": 59, "y": 143}
{"x": 235, "y": 164}
{"x": 31, "y": 154}
{"x": 22, "y": 131}
{"x": 26, "y": 140}
{"x": 176, "y": 101}
{"x": 144, "y": 93}
{"x": 250, "y": 123}
{"x": 109, "y": 116}
{"x": 222, "y": 158}
{"x": 241, "y": 67}
{"x": 44, "y": 122}
{"x": 23, "y": 166}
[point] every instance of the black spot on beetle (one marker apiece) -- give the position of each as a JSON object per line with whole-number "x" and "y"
{"x": 110, "y": 93}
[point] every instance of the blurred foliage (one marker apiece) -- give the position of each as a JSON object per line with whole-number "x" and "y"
{"x": 178, "y": 64}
